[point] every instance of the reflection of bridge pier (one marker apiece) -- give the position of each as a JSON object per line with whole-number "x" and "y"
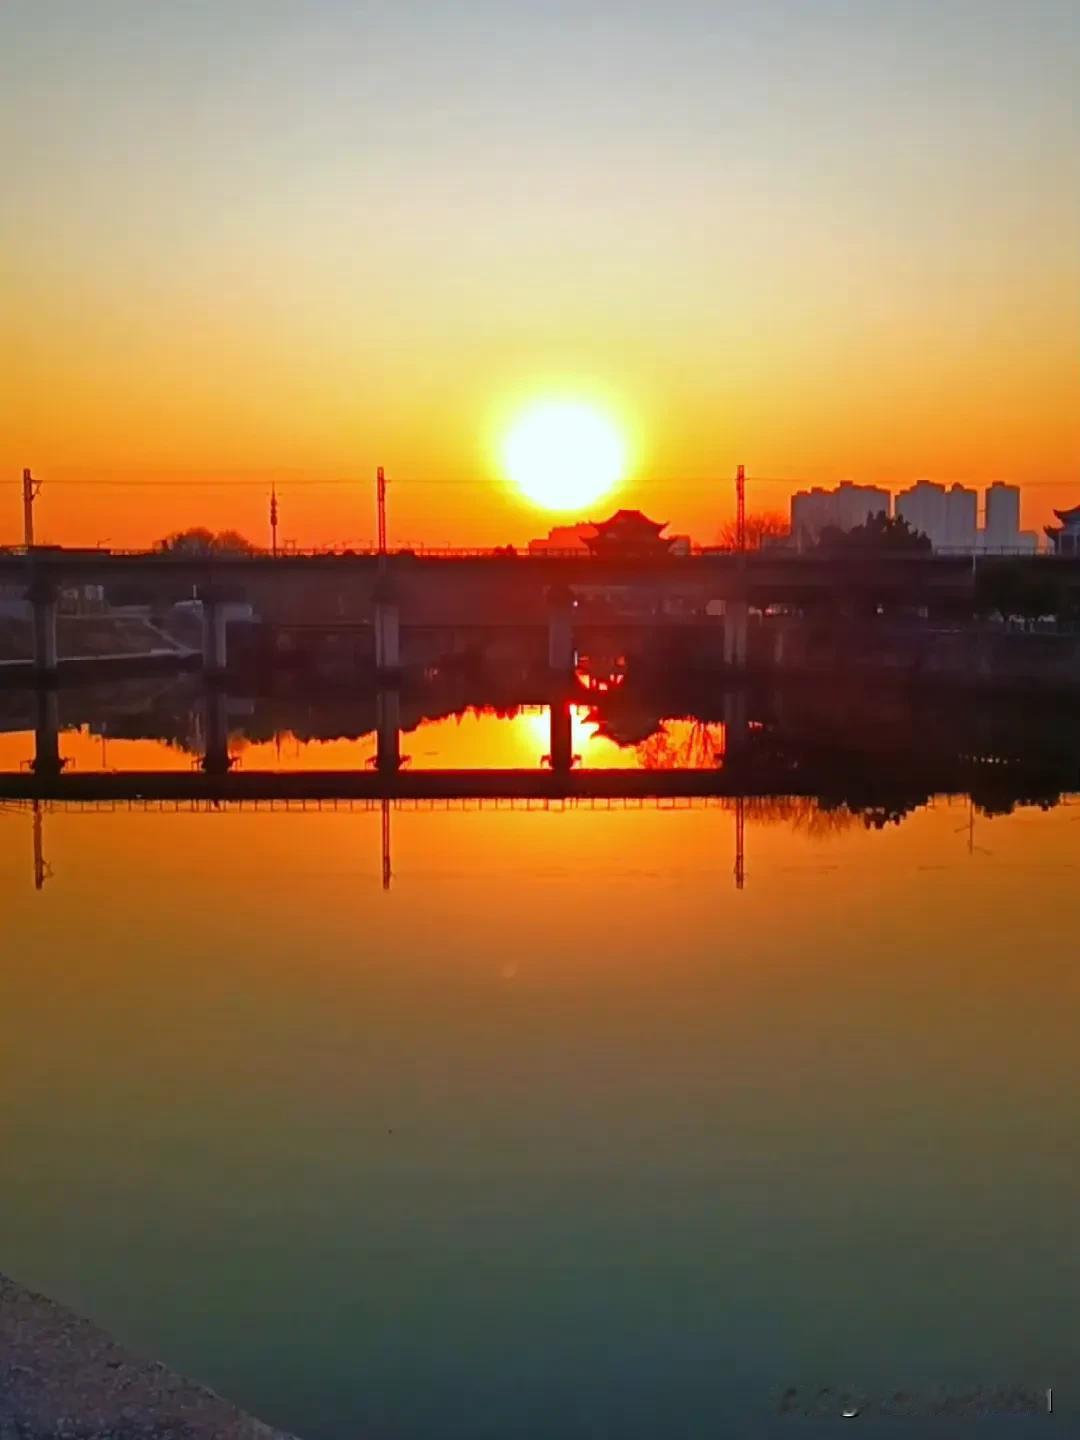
{"x": 734, "y": 713}
{"x": 47, "y": 759}
{"x": 388, "y": 732}
{"x": 561, "y": 749}
{"x": 216, "y": 759}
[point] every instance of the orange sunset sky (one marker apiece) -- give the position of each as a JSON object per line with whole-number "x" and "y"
{"x": 280, "y": 240}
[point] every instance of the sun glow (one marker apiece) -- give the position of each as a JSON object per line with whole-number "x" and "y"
{"x": 564, "y": 454}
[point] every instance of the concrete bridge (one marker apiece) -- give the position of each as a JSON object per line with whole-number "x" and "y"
{"x": 386, "y": 594}
{"x": 462, "y": 588}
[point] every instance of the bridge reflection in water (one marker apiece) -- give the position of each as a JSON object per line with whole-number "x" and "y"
{"x": 559, "y": 780}
{"x": 876, "y": 758}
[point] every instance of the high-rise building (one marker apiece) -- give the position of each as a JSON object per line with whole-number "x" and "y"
{"x": 948, "y": 518}
{"x": 961, "y": 518}
{"x": 809, "y": 516}
{"x": 1002, "y": 528}
{"x": 854, "y": 504}
{"x": 844, "y": 508}
{"x": 924, "y": 507}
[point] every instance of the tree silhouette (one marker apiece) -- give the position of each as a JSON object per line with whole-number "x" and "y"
{"x": 198, "y": 540}
{"x": 803, "y": 813}
{"x": 762, "y": 526}
{"x": 688, "y": 744}
{"x": 877, "y": 532}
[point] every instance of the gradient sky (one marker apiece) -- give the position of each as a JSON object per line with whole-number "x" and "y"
{"x": 268, "y": 237}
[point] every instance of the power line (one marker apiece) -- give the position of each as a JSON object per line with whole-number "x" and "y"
{"x": 282, "y": 485}
{"x": 675, "y": 481}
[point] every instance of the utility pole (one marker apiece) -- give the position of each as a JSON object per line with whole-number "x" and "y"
{"x": 273, "y": 520}
{"x": 380, "y": 493}
{"x": 740, "y": 508}
{"x": 30, "y": 489}
{"x": 387, "y": 873}
{"x": 42, "y": 868}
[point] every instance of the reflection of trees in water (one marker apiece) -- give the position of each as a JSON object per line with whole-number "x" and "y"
{"x": 803, "y": 813}
{"x": 991, "y": 800}
{"x": 822, "y": 819}
{"x": 500, "y": 712}
{"x": 875, "y": 805}
{"x": 185, "y": 744}
{"x": 683, "y": 745}
{"x": 876, "y": 817}
{"x": 626, "y": 725}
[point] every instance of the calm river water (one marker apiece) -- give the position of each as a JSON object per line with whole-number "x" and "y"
{"x": 562, "y": 1134}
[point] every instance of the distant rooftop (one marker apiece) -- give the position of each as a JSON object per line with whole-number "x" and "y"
{"x": 624, "y": 520}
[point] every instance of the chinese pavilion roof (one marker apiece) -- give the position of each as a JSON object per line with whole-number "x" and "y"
{"x": 624, "y": 521}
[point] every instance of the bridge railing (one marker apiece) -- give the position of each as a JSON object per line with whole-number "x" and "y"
{"x": 779, "y": 553}
{"x": 309, "y": 552}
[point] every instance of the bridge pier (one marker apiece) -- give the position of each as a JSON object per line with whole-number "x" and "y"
{"x": 734, "y": 711}
{"x": 216, "y": 758}
{"x": 736, "y": 615}
{"x": 47, "y": 759}
{"x": 561, "y": 753}
{"x": 214, "y": 637}
{"x": 43, "y": 596}
{"x": 388, "y": 732}
{"x": 560, "y": 631}
{"x": 387, "y": 636}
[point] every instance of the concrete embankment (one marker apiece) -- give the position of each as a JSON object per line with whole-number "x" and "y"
{"x": 92, "y": 647}
{"x": 63, "y": 1378}
{"x": 985, "y": 658}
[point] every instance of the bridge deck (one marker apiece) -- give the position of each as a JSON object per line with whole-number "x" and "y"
{"x": 735, "y": 782}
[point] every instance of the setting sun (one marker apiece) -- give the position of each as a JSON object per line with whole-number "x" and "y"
{"x": 563, "y": 454}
